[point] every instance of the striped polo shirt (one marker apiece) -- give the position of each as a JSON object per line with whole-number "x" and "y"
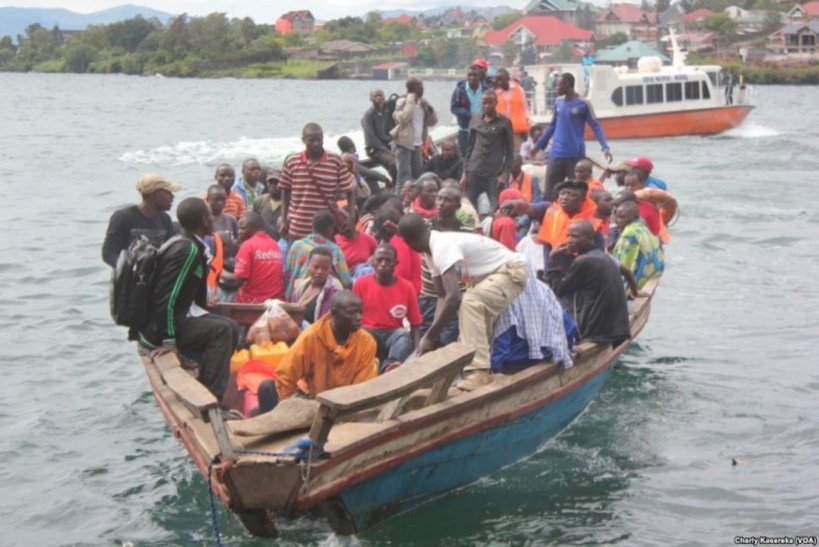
{"x": 312, "y": 184}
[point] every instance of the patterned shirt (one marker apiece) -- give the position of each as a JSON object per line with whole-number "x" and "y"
{"x": 299, "y": 254}
{"x": 234, "y": 206}
{"x": 313, "y": 186}
{"x": 639, "y": 251}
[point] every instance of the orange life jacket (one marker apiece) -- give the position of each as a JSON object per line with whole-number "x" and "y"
{"x": 217, "y": 263}
{"x": 554, "y": 229}
{"x": 523, "y": 184}
{"x": 516, "y": 109}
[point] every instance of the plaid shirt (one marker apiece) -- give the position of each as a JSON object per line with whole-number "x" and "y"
{"x": 538, "y": 319}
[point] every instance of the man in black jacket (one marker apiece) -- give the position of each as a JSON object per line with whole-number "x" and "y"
{"x": 178, "y": 320}
{"x": 376, "y": 139}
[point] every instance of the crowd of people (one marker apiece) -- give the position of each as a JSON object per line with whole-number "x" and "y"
{"x": 389, "y": 265}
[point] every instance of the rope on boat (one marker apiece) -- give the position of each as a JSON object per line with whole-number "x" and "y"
{"x": 213, "y": 522}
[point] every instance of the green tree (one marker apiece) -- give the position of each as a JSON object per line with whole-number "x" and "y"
{"x": 501, "y": 21}
{"x": 175, "y": 41}
{"x": 130, "y": 33}
{"x": 613, "y": 40}
{"x": 721, "y": 25}
{"x": 209, "y": 37}
{"x": 79, "y": 57}
{"x": 394, "y": 31}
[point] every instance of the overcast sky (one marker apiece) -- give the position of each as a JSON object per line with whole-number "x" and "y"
{"x": 262, "y": 11}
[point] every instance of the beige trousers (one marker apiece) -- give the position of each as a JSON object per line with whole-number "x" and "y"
{"x": 482, "y": 304}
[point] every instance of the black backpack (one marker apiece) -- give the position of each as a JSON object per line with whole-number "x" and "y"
{"x": 132, "y": 283}
{"x": 388, "y": 108}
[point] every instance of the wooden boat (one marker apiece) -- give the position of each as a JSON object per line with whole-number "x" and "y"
{"x": 651, "y": 100}
{"x": 382, "y": 447}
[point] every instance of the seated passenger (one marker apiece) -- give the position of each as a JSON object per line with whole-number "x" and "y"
{"x": 448, "y": 164}
{"x": 605, "y": 208}
{"x": 424, "y": 204}
{"x": 637, "y": 249}
{"x": 504, "y": 224}
{"x": 225, "y": 176}
{"x": 526, "y": 148}
{"x": 149, "y": 218}
{"x": 357, "y": 248}
{"x": 388, "y": 300}
{"x": 222, "y": 223}
{"x": 299, "y": 253}
{"x": 583, "y": 172}
{"x": 409, "y": 193}
{"x": 409, "y": 261}
{"x": 333, "y": 352}
{"x": 269, "y": 204}
{"x": 466, "y": 213}
{"x": 645, "y": 166}
{"x": 523, "y": 182}
{"x": 178, "y": 320}
{"x": 315, "y": 290}
{"x": 363, "y": 175}
{"x": 531, "y": 330}
{"x": 648, "y": 211}
{"x": 592, "y": 290}
{"x": 259, "y": 270}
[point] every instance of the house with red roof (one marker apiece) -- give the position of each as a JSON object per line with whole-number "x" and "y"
{"x": 697, "y": 16}
{"x": 545, "y": 32}
{"x": 404, "y": 19}
{"x": 628, "y": 19}
{"x": 803, "y": 13}
{"x": 301, "y": 21}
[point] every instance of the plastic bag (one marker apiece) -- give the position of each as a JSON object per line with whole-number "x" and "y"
{"x": 275, "y": 325}
{"x": 281, "y": 326}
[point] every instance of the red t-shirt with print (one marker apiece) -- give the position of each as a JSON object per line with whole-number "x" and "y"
{"x": 260, "y": 263}
{"x": 386, "y": 307}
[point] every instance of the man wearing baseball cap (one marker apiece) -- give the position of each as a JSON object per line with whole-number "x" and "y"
{"x": 148, "y": 218}
{"x": 483, "y": 67}
{"x": 645, "y": 166}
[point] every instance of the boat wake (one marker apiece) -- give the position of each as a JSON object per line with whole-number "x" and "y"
{"x": 750, "y": 131}
{"x": 272, "y": 150}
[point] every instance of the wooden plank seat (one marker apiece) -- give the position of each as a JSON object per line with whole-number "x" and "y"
{"x": 196, "y": 398}
{"x": 436, "y": 369}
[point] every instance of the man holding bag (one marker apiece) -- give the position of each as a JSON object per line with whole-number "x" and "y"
{"x": 311, "y": 182}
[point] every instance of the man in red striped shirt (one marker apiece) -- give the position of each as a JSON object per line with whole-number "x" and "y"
{"x": 313, "y": 181}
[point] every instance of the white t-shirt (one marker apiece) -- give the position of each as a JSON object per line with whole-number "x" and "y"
{"x": 533, "y": 250}
{"x": 476, "y": 255}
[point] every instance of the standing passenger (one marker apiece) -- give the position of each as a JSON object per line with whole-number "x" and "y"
{"x": 571, "y": 114}
{"x": 413, "y": 115}
{"x": 149, "y": 218}
{"x": 376, "y": 139}
{"x": 311, "y": 182}
{"x": 225, "y": 177}
{"x": 497, "y": 276}
{"x": 467, "y": 102}
{"x": 512, "y": 104}
{"x": 489, "y": 154}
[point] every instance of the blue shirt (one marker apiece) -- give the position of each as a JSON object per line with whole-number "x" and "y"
{"x": 569, "y": 119}
{"x": 240, "y": 188}
{"x": 654, "y": 182}
{"x": 475, "y": 100}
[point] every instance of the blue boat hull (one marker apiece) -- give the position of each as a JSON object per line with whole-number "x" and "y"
{"x": 465, "y": 460}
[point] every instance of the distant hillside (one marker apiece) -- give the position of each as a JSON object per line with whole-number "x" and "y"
{"x": 489, "y": 13}
{"x": 14, "y": 21}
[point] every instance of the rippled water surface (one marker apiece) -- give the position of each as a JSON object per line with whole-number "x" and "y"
{"x": 726, "y": 368}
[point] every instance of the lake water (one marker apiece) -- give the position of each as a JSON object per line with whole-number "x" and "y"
{"x": 726, "y": 368}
